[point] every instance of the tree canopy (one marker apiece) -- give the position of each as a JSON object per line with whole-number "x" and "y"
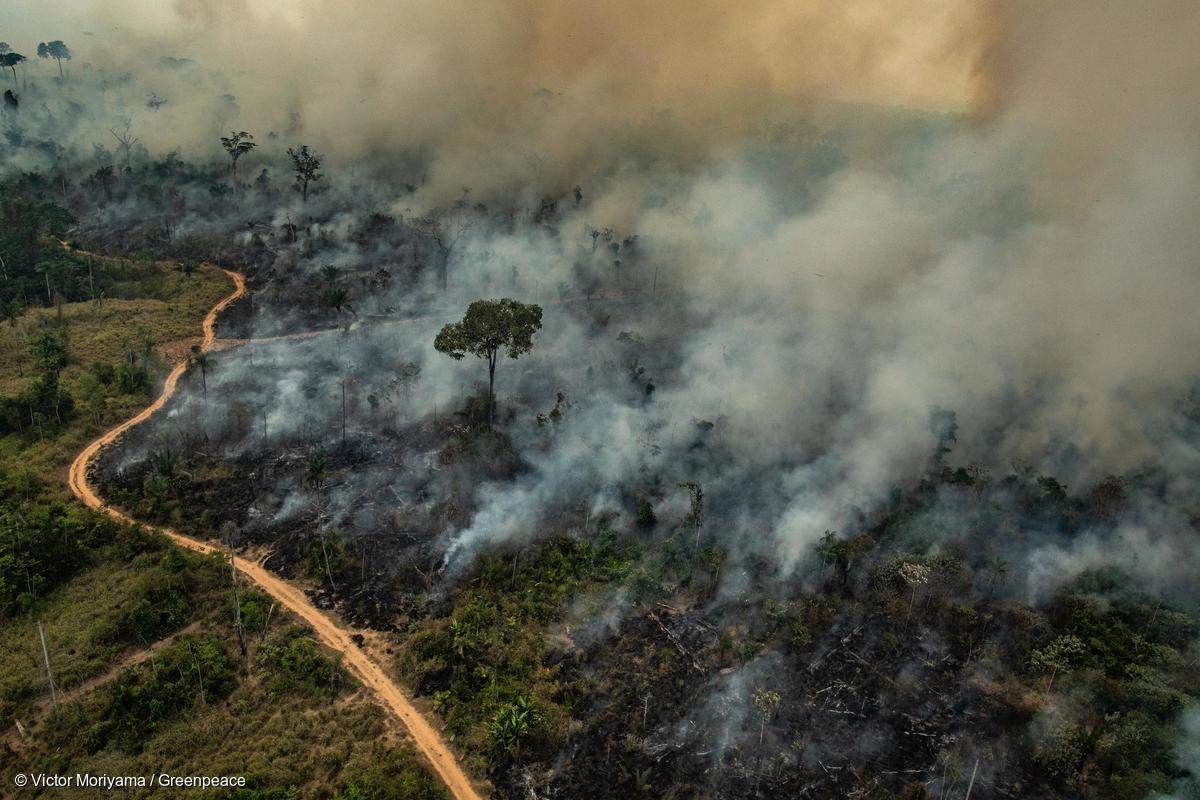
{"x": 305, "y": 163}
{"x": 237, "y": 144}
{"x": 23, "y": 224}
{"x": 10, "y": 60}
{"x": 56, "y": 50}
{"x": 489, "y": 328}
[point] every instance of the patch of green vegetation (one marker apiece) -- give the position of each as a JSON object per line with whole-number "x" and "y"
{"x": 377, "y": 774}
{"x": 140, "y": 634}
{"x": 290, "y": 660}
{"x": 484, "y": 663}
{"x": 69, "y": 372}
{"x": 131, "y": 592}
{"x": 1115, "y": 673}
{"x": 143, "y": 699}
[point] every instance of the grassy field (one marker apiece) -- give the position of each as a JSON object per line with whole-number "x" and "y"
{"x": 285, "y": 716}
{"x": 158, "y": 328}
{"x": 149, "y": 668}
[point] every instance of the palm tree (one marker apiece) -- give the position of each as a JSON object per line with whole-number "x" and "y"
{"x": 330, "y": 272}
{"x": 336, "y": 298}
{"x": 203, "y": 360}
{"x": 315, "y": 470}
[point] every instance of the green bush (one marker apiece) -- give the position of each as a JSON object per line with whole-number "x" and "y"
{"x": 290, "y": 661}
{"x": 143, "y": 698}
{"x": 43, "y": 545}
{"x": 315, "y": 555}
{"x": 384, "y": 773}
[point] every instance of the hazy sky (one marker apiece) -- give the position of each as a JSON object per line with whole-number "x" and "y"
{"x": 920, "y": 52}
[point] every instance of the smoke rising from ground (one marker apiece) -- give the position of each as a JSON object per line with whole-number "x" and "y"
{"x": 839, "y": 269}
{"x": 846, "y": 215}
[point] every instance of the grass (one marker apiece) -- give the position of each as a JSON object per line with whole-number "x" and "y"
{"x": 167, "y": 317}
{"x": 285, "y": 716}
{"x": 108, "y": 332}
{"x": 277, "y": 727}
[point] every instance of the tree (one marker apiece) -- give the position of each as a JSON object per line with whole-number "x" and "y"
{"x": 767, "y": 702}
{"x": 446, "y": 233}
{"x": 315, "y": 472}
{"x": 915, "y": 575}
{"x": 202, "y": 360}
{"x": 488, "y": 328}
{"x": 50, "y": 351}
{"x": 511, "y": 724}
{"x": 696, "y": 515}
{"x": 126, "y": 140}
{"x": 10, "y": 60}
{"x": 1060, "y": 655}
{"x": 305, "y": 163}
{"x": 229, "y": 533}
{"x": 237, "y": 144}
{"x": 330, "y": 272}
{"x": 56, "y": 50}
{"x": 336, "y": 298}
{"x": 402, "y": 383}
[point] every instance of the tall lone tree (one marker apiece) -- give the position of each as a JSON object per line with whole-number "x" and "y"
{"x": 489, "y": 328}
{"x": 305, "y": 163}
{"x": 56, "y": 50}
{"x": 237, "y": 144}
{"x": 10, "y": 60}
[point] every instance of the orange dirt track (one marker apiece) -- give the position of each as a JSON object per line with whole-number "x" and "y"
{"x": 333, "y": 633}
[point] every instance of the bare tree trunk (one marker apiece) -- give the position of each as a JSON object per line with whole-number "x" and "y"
{"x": 199, "y": 673}
{"x": 328, "y": 571}
{"x": 492, "y": 390}
{"x": 971, "y": 785}
{"x": 267, "y": 621}
{"x": 49, "y": 674}
{"x": 237, "y": 601}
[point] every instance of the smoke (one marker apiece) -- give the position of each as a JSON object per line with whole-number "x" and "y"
{"x": 800, "y": 228}
{"x": 1188, "y": 758}
{"x": 485, "y": 94}
{"x": 853, "y": 214}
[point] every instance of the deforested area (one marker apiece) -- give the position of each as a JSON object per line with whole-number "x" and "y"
{"x": 552, "y": 400}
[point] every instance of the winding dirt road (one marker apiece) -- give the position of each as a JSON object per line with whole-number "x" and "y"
{"x": 332, "y": 632}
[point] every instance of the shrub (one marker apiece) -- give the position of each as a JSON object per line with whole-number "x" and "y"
{"x": 143, "y": 698}
{"x": 291, "y": 661}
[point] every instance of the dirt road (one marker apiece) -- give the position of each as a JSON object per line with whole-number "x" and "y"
{"x": 333, "y": 633}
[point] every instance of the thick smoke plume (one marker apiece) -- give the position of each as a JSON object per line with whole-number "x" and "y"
{"x": 822, "y": 221}
{"x": 485, "y": 93}
{"x": 1019, "y": 249}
